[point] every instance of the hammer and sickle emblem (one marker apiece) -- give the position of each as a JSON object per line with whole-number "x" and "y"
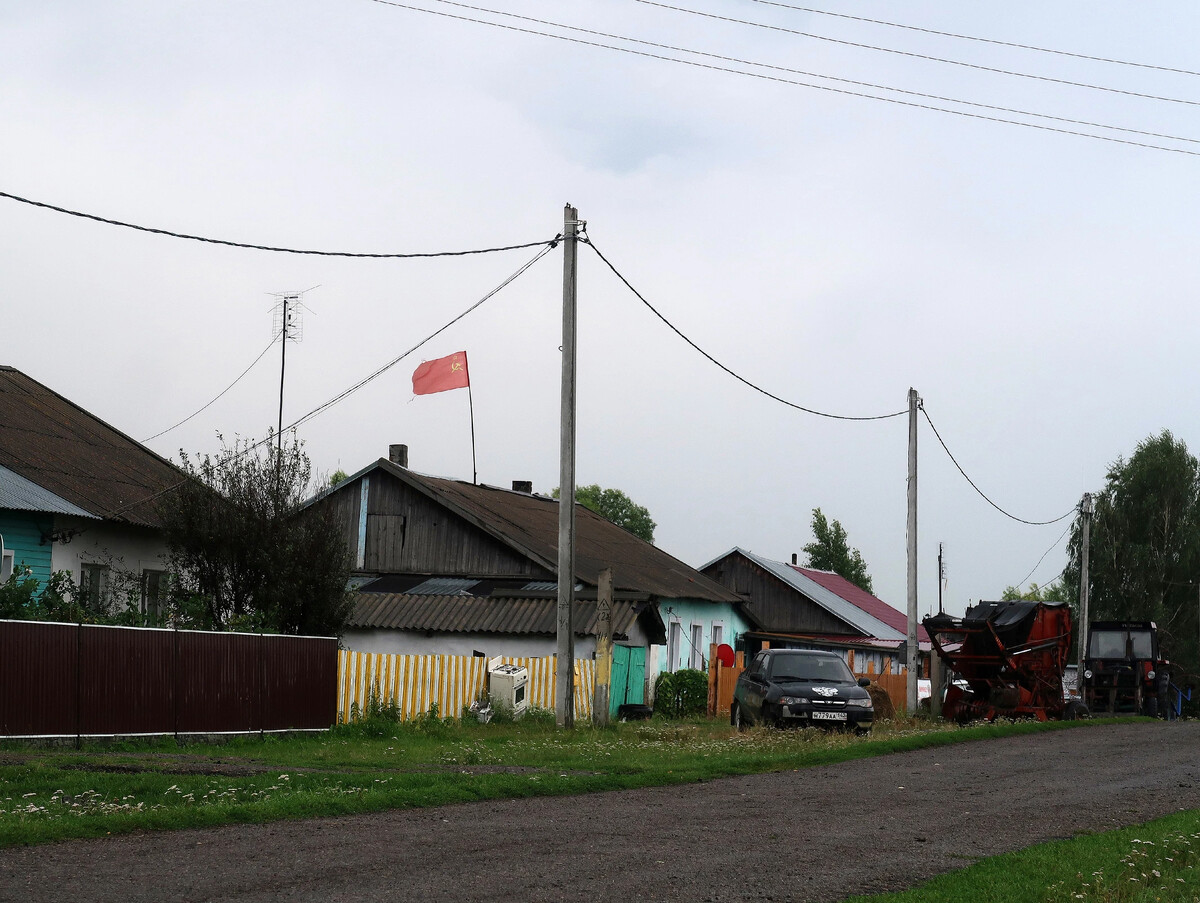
{"x": 454, "y": 366}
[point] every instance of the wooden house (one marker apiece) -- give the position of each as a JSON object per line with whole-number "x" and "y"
{"x": 797, "y": 607}
{"x": 448, "y": 566}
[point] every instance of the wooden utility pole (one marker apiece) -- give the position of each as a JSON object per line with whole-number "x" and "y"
{"x": 283, "y": 340}
{"x": 914, "y": 651}
{"x": 564, "y": 688}
{"x": 1085, "y": 509}
{"x": 604, "y": 648}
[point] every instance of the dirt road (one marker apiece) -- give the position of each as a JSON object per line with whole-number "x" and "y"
{"x": 818, "y": 834}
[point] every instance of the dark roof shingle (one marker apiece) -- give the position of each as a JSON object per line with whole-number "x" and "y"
{"x": 59, "y": 446}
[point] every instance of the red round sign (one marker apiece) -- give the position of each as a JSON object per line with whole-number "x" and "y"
{"x": 725, "y": 655}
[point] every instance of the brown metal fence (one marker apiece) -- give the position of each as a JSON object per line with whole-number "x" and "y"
{"x": 64, "y": 680}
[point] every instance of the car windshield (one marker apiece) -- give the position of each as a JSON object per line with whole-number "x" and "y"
{"x": 1120, "y": 643}
{"x": 810, "y": 667}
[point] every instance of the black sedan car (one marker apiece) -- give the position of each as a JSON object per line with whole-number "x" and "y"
{"x": 801, "y": 687}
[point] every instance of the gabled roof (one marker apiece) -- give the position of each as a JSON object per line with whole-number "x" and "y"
{"x": 857, "y": 608}
{"x": 860, "y": 598}
{"x": 529, "y": 525}
{"x": 58, "y": 446}
{"x": 481, "y": 614}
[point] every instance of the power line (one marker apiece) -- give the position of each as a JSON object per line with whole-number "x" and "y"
{"x": 1021, "y": 520}
{"x": 1045, "y": 553}
{"x": 347, "y": 392}
{"x": 675, "y": 329}
{"x": 967, "y": 37}
{"x": 807, "y": 74}
{"x": 222, "y": 392}
{"x": 787, "y": 81}
{"x": 919, "y": 56}
{"x": 238, "y": 244}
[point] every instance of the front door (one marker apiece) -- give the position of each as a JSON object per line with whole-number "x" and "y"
{"x": 628, "y": 677}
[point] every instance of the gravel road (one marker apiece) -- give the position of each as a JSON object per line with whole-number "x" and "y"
{"x": 816, "y": 834}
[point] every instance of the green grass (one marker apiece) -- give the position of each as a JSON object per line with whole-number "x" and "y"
{"x": 53, "y": 794}
{"x": 1158, "y": 861}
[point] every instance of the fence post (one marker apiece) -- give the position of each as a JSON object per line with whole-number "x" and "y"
{"x": 714, "y": 680}
{"x": 79, "y": 684}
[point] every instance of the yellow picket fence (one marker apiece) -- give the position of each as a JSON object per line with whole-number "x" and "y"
{"x": 416, "y": 683}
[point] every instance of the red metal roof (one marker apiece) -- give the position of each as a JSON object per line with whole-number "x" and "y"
{"x": 861, "y": 599}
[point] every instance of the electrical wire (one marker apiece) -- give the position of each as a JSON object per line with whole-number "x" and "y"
{"x": 238, "y": 244}
{"x": 379, "y": 372}
{"x": 919, "y": 56}
{"x": 1045, "y": 553}
{"x": 787, "y": 81}
{"x": 222, "y": 392}
{"x": 1021, "y": 520}
{"x": 675, "y": 329}
{"x": 347, "y": 392}
{"x": 807, "y": 74}
{"x": 967, "y": 37}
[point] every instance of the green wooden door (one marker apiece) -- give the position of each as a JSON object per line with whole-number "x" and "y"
{"x": 628, "y": 677}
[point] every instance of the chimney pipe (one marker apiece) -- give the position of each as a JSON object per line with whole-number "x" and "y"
{"x": 398, "y": 454}
{"x": 793, "y": 558}
{"x": 525, "y": 486}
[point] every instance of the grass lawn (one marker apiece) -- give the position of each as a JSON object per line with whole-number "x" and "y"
{"x": 1158, "y": 861}
{"x": 56, "y": 793}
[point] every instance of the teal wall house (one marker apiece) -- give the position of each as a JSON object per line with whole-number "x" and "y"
{"x": 77, "y": 495}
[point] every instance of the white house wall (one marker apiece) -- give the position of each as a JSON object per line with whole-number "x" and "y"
{"x": 132, "y": 549}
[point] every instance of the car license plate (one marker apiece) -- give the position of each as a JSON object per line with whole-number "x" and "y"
{"x": 829, "y": 716}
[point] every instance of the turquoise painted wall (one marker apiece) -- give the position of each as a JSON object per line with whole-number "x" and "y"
{"x": 692, "y": 611}
{"x": 22, "y": 532}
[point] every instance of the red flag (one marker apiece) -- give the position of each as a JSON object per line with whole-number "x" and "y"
{"x": 444, "y": 373}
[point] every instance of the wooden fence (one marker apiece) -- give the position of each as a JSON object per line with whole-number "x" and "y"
{"x": 417, "y": 683}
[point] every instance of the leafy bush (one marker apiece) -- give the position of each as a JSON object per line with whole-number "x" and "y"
{"x": 680, "y": 694}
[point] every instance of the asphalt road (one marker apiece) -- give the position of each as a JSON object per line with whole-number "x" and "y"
{"x": 817, "y": 834}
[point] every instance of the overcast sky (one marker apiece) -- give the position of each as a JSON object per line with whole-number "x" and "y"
{"x": 1037, "y": 288}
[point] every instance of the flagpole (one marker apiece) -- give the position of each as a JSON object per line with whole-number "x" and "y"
{"x": 474, "y": 466}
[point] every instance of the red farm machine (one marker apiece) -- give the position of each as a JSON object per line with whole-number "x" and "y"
{"x": 1009, "y": 657}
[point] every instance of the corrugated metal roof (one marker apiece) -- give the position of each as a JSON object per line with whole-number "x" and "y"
{"x": 60, "y": 447}
{"x": 479, "y": 614}
{"x": 860, "y": 598}
{"x": 835, "y": 604}
{"x": 529, "y": 524}
{"x": 20, "y": 494}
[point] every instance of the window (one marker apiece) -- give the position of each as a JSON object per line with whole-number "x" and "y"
{"x": 6, "y": 566}
{"x": 674, "y": 639}
{"x": 718, "y": 634}
{"x": 152, "y": 585}
{"x": 93, "y": 586}
{"x": 696, "y": 658}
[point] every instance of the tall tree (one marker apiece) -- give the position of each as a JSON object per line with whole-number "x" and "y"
{"x": 616, "y": 506}
{"x": 1145, "y": 546}
{"x": 831, "y": 552}
{"x": 244, "y": 550}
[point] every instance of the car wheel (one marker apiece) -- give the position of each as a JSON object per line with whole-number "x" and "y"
{"x": 735, "y": 717}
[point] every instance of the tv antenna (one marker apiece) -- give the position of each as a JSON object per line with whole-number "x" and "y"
{"x": 287, "y": 325}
